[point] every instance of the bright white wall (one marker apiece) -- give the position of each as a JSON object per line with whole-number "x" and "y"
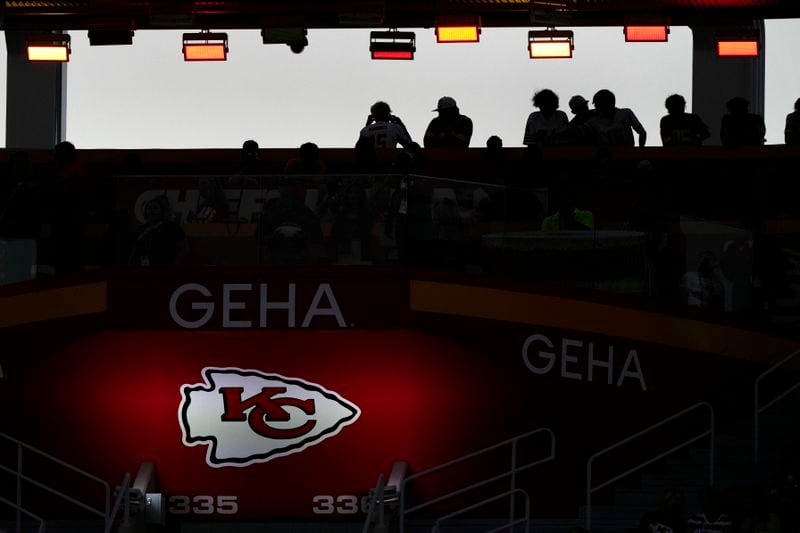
{"x": 783, "y": 75}
{"x": 145, "y": 96}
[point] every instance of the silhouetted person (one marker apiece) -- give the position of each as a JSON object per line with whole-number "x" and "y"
{"x": 680, "y": 128}
{"x": 611, "y": 126}
{"x": 384, "y": 129}
{"x": 548, "y": 125}
{"x": 792, "y": 131}
{"x": 68, "y": 207}
{"x": 287, "y": 228}
{"x": 366, "y": 159}
{"x": 160, "y": 241}
{"x": 251, "y": 161}
{"x": 19, "y": 199}
{"x": 308, "y": 161}
{"x": 567, "y": 216}
{"x": 740, "y": 127}
{"x": 450, "y": 129}
{"x": 577, "y": 132}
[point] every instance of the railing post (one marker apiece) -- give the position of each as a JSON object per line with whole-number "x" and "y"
{"x": 711, "y": 449}
{"x": 402, "y": 505}
{"x": 588, "y": 524}
{"x": 19, "y": 488}
{"x": 513, "y": 478}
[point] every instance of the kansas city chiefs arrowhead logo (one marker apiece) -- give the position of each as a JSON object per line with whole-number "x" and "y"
{"x": 248, "y": 416}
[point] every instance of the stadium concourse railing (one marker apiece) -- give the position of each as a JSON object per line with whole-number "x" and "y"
{"x": 759, "y": 409}
{"x": 107, "y": 512}
{"x": 711, "y": 228}
{"x": 710, "y": 433}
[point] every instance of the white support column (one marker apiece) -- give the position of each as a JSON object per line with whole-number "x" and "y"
{"x": 36, "y": 98}
{"x": 715, "y": 80}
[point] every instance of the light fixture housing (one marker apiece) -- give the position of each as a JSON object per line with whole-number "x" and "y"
{"x": 111, "y": 32}
{"x": 646, "y": 33}
{"x": 551, "y": 44}
{"x": 458, "y": 29}
{"x": 392, "y": 44}
{"x": 205, "y": 46}
{"x": 49, "y": 48}
{"x": 295, "y": 38}
{"x": 738, "y": 42}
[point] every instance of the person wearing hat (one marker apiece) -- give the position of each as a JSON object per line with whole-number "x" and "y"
{"x": 450, "y": 129}
{"x": 577, "y": 132}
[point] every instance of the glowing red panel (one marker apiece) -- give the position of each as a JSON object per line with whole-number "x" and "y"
{"x": 392, "y": 54}
{"x": 737, "y": 48}
{"x": 646, "y": 34}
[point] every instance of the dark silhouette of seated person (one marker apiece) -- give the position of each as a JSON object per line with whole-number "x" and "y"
{"x": 612, "y": 126}
{"x": 679, "y": 128}
{"x": 352, "y": 223}
{"x": 68, "y": 206}
{"x": 792, "y": 131}
{"x": 366, "y": 157}
{"x": 577, "y": 129}
{"x": 160, "y": 241}
{"x": 19, "y": 199}
{"x": 740, "y": 127}
{"x": 548, "y": 125}
{"x": 251, "y": 163}
{"x": 567, "y": 216}
{"x": 384, "y": 129}
{"x": 450, "y": 129}
{"x": 308, "y": 161}
{"x": 212, "y": 204}
{"x": 287, "y": 228}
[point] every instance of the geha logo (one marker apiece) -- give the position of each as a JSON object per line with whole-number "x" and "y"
{"x": 247, "y": 416}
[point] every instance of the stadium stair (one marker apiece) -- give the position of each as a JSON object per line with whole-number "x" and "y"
{"x": 688, "y": 471}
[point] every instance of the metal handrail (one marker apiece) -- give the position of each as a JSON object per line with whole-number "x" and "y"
{"x": 758, "y": 410}
{"x": 510, "y": 473}
{"x": 25, "y": 512}
{"x": 526, "y": 519}
{"x": 590, "y": 490}
{"x": 373, "y": 502}
{"x": 21, "y": 477}
{"x": 122, "y": 500}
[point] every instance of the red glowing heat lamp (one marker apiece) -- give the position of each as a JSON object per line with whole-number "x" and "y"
{"x": 646, "y": 34}
{"x": 392, "y": 44}
{"x": 742, "y": 48}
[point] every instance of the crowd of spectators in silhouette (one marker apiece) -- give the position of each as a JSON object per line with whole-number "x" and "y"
{"x": 62, "y": 197}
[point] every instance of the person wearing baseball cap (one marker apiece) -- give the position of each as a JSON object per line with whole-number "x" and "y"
{"x": 577, "y": 132}
{"x": 450, "y": 129}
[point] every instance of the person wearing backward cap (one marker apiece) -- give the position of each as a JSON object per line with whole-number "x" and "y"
{"x": 577, "y": 131}
{"x": 450, "y": 129}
